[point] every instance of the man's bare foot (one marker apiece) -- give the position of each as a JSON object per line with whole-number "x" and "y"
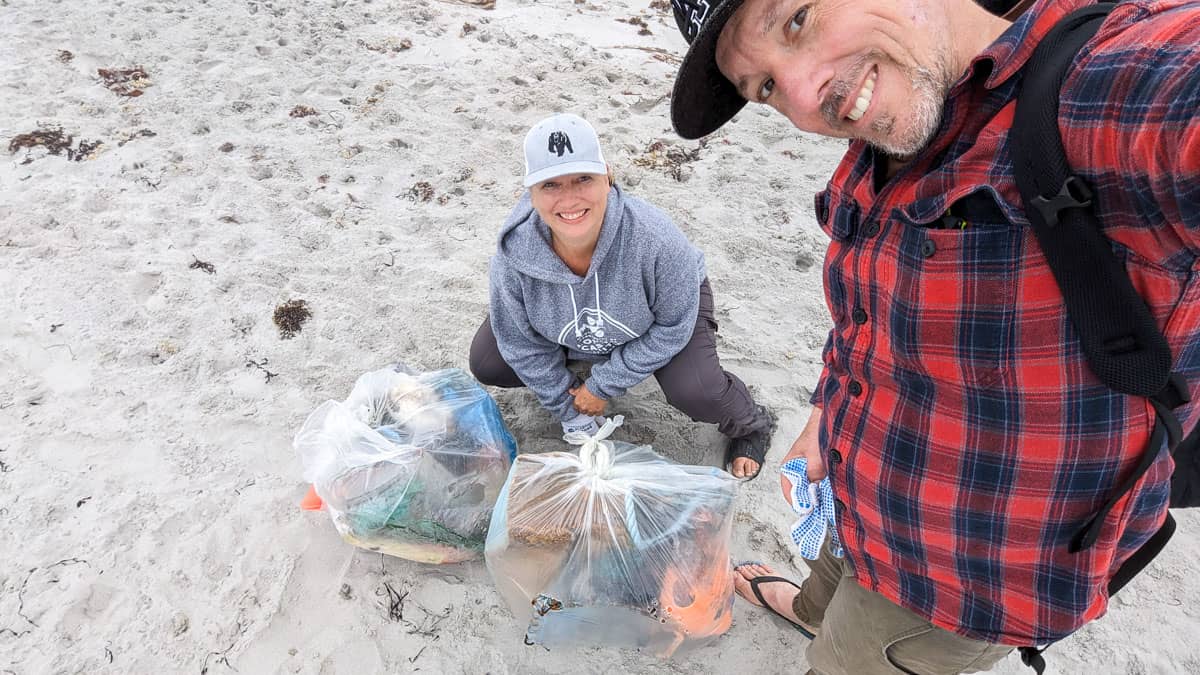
{"x": 779, "y": 595}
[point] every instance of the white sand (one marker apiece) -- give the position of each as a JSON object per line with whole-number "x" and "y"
{"x": 148, "y": 487}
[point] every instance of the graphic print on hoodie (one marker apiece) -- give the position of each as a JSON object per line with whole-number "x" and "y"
{"x": 631, "y": 314}
{"x": 595, "y": 330}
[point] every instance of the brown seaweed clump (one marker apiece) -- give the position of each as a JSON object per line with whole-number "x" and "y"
{"x": 52, "y": 139}
{"x": 668, "y": 158}
{"x": 55, "y": 142}
{"x": 302, "y": 111}
{"x": 421, "y": 192}
{"x": 125, "y": 81}
{"x": 290, "y": 317}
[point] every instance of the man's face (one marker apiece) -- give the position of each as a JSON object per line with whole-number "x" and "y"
{"x": 876, "y": 70}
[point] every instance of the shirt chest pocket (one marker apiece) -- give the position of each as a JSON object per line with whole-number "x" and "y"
{"x": 953, "y": 307}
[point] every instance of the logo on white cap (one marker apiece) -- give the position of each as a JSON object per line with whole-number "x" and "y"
{"x": 559, "y": 141}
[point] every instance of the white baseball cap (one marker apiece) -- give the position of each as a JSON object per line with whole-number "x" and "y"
{"x": 559, "y": 145}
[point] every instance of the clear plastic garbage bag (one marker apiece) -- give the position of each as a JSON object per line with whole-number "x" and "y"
{"x": 410, "y": 464}
{"x": 615, "y": 546}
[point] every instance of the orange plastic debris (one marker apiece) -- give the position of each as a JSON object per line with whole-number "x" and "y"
{"x": 312, "y": 501}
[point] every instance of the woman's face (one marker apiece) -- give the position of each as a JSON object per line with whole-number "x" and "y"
{"x": 573, "y": 206}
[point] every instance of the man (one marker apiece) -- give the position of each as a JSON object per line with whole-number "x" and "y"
{"x": 966, "y": 439}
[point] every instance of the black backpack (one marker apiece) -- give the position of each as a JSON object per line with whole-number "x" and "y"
{"x": 1120, "y": 339}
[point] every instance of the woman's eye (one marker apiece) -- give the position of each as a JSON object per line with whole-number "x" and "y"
{"x": 798, "y": 18}
{"x": 765, "y": 89}
{"x": 585, "y": 179}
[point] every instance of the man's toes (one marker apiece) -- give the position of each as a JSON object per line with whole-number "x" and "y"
{"x": 745, "y": 571}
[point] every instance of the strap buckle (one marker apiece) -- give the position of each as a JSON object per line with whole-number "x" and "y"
{"x": 1032, "y": 657}
{"x": 1175, "y": 392}
{"x": 1073, "y": 194}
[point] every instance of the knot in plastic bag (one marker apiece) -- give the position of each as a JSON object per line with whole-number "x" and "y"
{"x": 596, "y": 453}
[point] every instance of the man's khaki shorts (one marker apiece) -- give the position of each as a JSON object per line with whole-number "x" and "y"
{"x": 864, "y": 633}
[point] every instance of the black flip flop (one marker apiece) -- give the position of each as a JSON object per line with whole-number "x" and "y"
{"x": 758, "y": 594}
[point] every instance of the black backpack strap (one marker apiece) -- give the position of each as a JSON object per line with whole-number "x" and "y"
{"x": 1185, "y": 481}
{"x": 1119, "y": 336}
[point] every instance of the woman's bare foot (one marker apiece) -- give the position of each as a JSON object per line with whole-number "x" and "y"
{"x": 744, "y": 466}
{"x": 779, "y": 595}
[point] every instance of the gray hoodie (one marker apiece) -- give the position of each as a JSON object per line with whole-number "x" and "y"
{"x": 632, "y": 313}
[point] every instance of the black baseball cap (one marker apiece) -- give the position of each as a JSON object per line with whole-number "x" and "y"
{"x": 703, "y": 98}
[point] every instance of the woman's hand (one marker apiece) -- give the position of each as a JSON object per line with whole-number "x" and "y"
{"x": 586, "y": 402}
{"x": 806, "y": 445}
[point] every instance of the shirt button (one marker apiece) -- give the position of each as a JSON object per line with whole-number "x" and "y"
{"x": 859, "y": 315}
{"x": 855, "y": 388}
{"x": 928, "y": 248}
{"x": 835, "y": 457}
{"x": 871, "y": 229}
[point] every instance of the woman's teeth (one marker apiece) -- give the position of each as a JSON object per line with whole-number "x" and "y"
{"x": 574, "y": 215}
{"x": 864, "y": 98}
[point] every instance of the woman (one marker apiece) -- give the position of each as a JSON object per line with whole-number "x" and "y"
{"x": 586, "y": 272}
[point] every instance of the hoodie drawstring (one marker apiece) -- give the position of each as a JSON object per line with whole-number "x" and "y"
{"x": 574, "y": 312}
{"x": 575, "y": 307}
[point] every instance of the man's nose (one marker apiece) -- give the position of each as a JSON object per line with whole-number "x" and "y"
{"x": 801, "y": 89}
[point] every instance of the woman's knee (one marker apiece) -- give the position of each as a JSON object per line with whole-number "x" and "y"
{"x": 490, "y": 369}
{"x": 486, "y": 363}
{"x": 702, "y": 401}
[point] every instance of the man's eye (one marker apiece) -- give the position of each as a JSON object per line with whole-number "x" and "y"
{"x": 549, "y": 186}
{"x": 765, "y": 89}
{"x": 798, "y": 18}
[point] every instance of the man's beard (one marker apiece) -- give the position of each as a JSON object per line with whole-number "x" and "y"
{"x": 929, "y": 88}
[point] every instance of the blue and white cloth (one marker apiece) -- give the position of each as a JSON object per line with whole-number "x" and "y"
{"x": 813, "y": 502}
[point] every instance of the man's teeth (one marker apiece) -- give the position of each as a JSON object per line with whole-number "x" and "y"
{"x": 864, "y": 99}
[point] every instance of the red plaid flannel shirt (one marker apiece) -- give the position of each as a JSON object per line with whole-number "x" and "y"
{"x": 966, "y": 437}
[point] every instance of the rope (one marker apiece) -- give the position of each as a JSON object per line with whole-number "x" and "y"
{"x": 596, "y": 453}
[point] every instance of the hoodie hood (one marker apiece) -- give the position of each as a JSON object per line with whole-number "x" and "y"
{"x": 524, "y": 242}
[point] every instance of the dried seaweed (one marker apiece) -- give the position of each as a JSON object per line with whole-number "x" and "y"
{"x": 86, "y": 150}
{"x": 290, "y": 317}
{"x": 52, "y": 139}
{"x": 421, "y": 192}
{"x": 302, "y": 111}
{"x": 125, "y": 81}
{"x": 262, "y": 365}
{"x": 668, "y": 158}
{"x": 198, "y": 264}
{"x": 140, "y": 133}
{"x": 55, "y": 142}
{"x": 395, "y": 602}
{"x": 388, "y": 45}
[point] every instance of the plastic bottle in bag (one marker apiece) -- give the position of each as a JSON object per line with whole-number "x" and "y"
{"x": 615, "y": 546}
{"x": 410, "y": 464}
